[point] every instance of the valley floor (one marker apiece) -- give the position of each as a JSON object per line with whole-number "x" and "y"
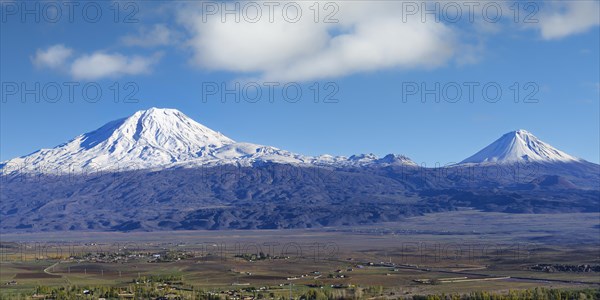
{"x": 451, "y": 252}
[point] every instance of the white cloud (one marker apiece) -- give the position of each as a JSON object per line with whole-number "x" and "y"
{"x": 53, "y": 57}
{"x": 103, "y": 65}
{"x": 158, "y": 35}
{"x": 367, "y": 38}
{"x": 561, "y": 19}
{"x": 97, "y": 65}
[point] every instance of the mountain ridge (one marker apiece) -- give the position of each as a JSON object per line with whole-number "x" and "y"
{"x": 197, "y": 178}
{"x": 161, "y": 138}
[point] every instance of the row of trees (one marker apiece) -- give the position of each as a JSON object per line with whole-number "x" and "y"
{"x": 531, "y": 294}
{"x": 152, "y": 292}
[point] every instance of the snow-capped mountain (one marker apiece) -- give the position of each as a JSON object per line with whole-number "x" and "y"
{"x": 148, "y": 138}
{"x": 163, "y": 138}
{"x": 166, "y": 138}
{"x": 263, "y": 187}
{"x": 520, "y": 146}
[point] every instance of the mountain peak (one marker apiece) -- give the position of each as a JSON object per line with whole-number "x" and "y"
{"x": 149, "y": 138}
{"x": 158, "y": 111}
{"x": 519, "y": 146}
{"x": 521, "y": 132}
{"x": 170, "y": 129}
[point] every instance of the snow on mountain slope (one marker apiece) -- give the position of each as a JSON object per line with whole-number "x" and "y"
{"x": 148, "y": 138}
{"x": 394, "y": 159}
{"x": 164, "y": 138}
{"x": 519, "y": 146}
{"x": 246, "y": 154}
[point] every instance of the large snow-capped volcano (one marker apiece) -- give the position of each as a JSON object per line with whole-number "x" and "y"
{"x": 520, "y": 146}
{"x": 162, "y": 138}
{"x": 148, "y": 138}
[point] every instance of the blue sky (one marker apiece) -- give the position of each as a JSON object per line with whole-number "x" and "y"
{"x": 164, "y": 53}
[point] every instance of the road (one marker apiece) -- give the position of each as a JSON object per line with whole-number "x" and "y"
{"x": 509, "y": 277}
{"x": 47, "y": 270}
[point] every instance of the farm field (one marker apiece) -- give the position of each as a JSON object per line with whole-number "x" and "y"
{"x": 431, "y": 254}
